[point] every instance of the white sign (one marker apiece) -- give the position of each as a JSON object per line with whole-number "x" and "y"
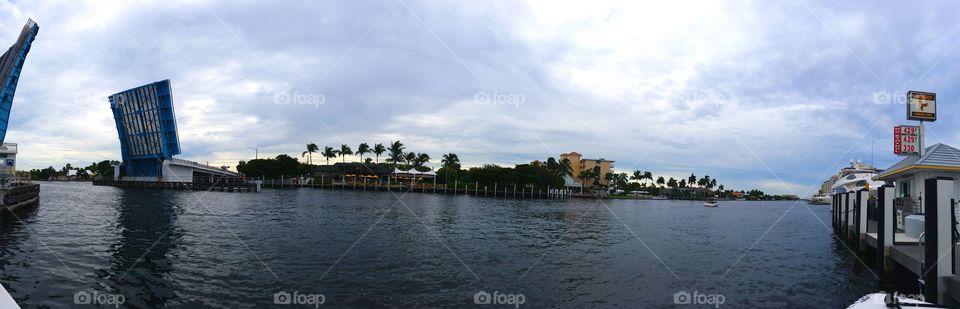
{"x": 906, "y": 140}
{"x": 921, "y": 106}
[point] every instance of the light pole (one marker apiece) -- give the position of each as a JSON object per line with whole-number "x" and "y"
{"x": 256, "y": 152}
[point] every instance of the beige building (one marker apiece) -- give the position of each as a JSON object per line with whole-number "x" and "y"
{"x": 578, "y": 163}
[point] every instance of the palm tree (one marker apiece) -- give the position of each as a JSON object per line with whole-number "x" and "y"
{"x": 450, "y": 163}
{"x": 637, "y": 175}
{"x": 344, "y": 152}
{"x": 692, "y": 179}
{"x": 584, "y": 176}
{"x": 421, "y": 161}
{"x": 648, "y": 175}
{"x": 363, "y": 149}
{"x": 713, "y": 183}
{"x": 683, "y": 183}
{"x": 396, "y": 153}
{"x": 596, "y": 175}
{"x": 328, "y": 153}
{"x": 565, "y": 168}
{"x": 660, "y": 181}
{"x": 410, "y": 159}
{"x": 672, "y": 183}
{"x": 551, "y": 163}
{"x": 617, "y": 180}
{"x": 378, "y": 150}
{"x": 311, "y": 148}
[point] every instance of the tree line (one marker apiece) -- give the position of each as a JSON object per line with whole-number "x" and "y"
{"x": 548, "y": 173}
{"x": 102, "y": 169}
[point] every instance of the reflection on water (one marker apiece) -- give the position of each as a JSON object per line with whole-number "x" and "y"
{"x": 177, "y": 248}
{"x": 146, "y": 222}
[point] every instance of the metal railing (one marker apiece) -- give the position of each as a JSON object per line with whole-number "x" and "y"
{"x": 197, "y": 164}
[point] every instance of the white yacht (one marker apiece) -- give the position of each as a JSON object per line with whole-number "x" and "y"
{"x": 857, "y": 176}
{"x": 820, "y": 199}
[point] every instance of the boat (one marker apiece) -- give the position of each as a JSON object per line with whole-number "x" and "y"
{"x": 885, "y": 300}
{"x": 711, "y": 202}
{"x": 857, "y": 176}
{"x": 820, "y": 199}
{"x": 6, "y": 301}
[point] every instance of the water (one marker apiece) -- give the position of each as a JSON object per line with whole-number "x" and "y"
{"x": 371, "y": 249}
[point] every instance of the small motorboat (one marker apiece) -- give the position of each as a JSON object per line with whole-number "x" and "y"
{"x": 886, "y": 300}
{"x": 711, "y": 202}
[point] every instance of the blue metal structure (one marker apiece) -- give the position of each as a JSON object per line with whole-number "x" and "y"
{"x": 147, "y": 128}
{"x": 10, "y": 65}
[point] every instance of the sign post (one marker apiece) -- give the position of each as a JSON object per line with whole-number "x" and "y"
{"x": 921, "y": 106}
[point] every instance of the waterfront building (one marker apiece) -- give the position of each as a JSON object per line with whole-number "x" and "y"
{"x": 341, "y": 171}
{"x": 372, "y": 173}
{"x": 578, "y": 163}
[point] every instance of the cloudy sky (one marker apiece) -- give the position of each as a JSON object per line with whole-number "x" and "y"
{"x": 776, "y": 95}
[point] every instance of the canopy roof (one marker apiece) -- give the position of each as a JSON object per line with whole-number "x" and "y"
{"x": 413, "y": 172}
{"x": 938, "y": 157}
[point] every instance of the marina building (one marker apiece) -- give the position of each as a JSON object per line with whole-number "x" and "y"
{"x": 908, "y": 175}
{"x": 368, "y": 173}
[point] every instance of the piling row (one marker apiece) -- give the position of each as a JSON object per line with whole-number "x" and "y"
{"x": 474, "y": 189}
{"x": 923, "y": 264}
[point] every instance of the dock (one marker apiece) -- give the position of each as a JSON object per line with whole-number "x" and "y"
{"x": 869, "y": 226}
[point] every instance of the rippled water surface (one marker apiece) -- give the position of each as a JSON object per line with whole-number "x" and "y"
{"x": 372, "y": 249}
